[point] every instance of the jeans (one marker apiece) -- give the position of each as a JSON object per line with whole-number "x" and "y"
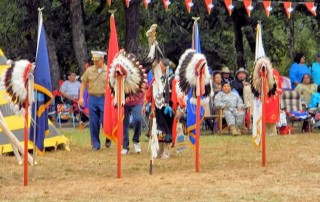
{"x": 96, "y": 107}
{"x": 135, "y": 111}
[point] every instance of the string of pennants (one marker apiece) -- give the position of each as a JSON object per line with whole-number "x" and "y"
{"x": 248, "y": 4}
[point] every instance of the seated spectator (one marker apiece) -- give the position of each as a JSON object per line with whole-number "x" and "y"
{"x": 315, "y": 70}
{"x": 70, "y": 88}
{"x": 233, "y": 108}
{"x": 240, "y": 81}
{"x": 216, "y": 84}
{"x": 306, "y": 88}
{"x": 226, "y": 74}
{"x": 314, "y": 102}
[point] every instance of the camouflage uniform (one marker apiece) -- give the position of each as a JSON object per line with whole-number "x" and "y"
{"x": 230, "y": 102}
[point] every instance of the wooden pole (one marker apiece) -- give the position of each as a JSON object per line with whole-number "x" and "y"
{"x": 119, "y": 131}
{"x": 198, "y": 135}
{"x": 263, "y": 138}
{"x": 26, "y": 140}
{"x": 198, "y": 126}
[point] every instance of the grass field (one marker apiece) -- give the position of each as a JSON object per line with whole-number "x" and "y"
{"x": 230, "y": 171}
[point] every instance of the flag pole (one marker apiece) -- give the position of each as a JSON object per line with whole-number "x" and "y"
{"x": 26, "y": 138}
{"x": 119, "y": 131}
{"x": 34, "y": 132}
{"x": 195, "y": 46}
{"x": 198, "y": 133}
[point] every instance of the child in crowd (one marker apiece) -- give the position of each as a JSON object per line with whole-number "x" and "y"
{"x": 232, "y": 106}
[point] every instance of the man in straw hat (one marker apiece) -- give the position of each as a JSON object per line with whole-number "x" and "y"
{"x": 95, "y": 78}
{"x": 226, "y": 74}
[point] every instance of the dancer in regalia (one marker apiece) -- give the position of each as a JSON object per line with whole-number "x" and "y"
{"x": 160, "y": 95}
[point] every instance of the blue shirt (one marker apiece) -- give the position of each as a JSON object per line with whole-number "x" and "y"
{"x": 296, "y": 72}
{"x": 315, "y": 72}
{"x": 315, "y": 100}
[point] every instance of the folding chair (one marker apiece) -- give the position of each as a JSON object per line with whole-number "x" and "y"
{"x": 210, "y": 118}
{"x": 65, "y": 113}
{"x": 291, "y": 103}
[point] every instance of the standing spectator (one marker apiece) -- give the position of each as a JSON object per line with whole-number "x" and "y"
{"x": 240, "y": 81}
{"x": 226, "y": 74}
{"x": 306, "y": 88}
{"x": 134, "y": 109}
{"x": 70, "y": 88}
{"x": 298, "y": 69}
{"x": 95, "y": 78}
{"x": 315, "y": 70}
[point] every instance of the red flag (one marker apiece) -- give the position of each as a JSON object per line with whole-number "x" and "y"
{"x": 166, "y": 4}
{"x": 288, "y": 8}
{"x": 189, "y": 4}
{"x": 209, "y": 5}
{"x": 145, "y": 3}
{"x": 311, "y": 7}
{"x": 267, "y": 7}
{"x": 229, "y": 6}
{"x": 110, "y": 117}
{"x": 109, "y": 2}
{"x": 248, "y": 6}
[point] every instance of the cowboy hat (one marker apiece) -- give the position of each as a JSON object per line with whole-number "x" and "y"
{"x": 241, "y": 69}
{"x": 226, "y": 70}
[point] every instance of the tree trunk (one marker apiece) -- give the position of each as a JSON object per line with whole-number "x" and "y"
{"x": 78, "y": 35}
{"x": 54, "y": 64}
{"x": 132, "y": 16}
{"x": 291, "y": 38}
{"x": 237, "y": 24}
{"x": 250, "y": 35}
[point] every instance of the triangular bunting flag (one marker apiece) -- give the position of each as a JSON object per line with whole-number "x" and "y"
{"x": 209, "y": 5}
{"x": 248, "y": 6}
{"x": 128, "y": 3}
{"x": 189, "y": 4}
{"x": 109, "y": 2}
{"x": 288, "y": 8}
{"x": 311, "y": 7}
{"x": 146, "y": 3}
{"x": 229, "y": 6}
{"x": 166, "y": 4}
{"x": 267, "y": 7}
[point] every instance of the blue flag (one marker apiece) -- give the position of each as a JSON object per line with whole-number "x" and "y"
{"x": 43, "y": 95}
{"x": 191, "y": 108}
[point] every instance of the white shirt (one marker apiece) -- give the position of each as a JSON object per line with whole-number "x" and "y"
{"x": 71, "y": 88}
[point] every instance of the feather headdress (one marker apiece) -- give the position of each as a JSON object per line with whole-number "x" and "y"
{"x": 263, "y": 68}
{"x": 193, "y": 66}
{"x": 134, "y": 79}
{"x": 17, "y": 81}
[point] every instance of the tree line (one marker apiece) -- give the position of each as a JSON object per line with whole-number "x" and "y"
{"x": 75, "y": 27}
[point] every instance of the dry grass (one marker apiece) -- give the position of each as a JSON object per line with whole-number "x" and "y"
{"x": 230, "y": 171}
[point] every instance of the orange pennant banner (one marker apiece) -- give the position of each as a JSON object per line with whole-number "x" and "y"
{"x": 209, "y": 5}
{"x": 127, "y": 3}
{"x": 267, "y": 7}
{"x": 166, "y": 4}
{"x": 248, "y": 6}
{"x": 311, "y": 7}
{"x": 146, "y": 3}
{"x": 229, "y": 5}
{"x": 109, "y": 2}
{"x": 288, "y": 8}
{"x": 189, "y": 4}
